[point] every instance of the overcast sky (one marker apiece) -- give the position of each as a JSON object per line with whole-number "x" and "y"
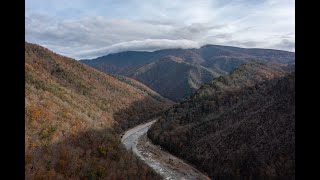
{"x": 90, "y": 28}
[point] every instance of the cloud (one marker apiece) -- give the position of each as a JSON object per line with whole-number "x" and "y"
{"x": 143, "y": 45}
{"x": 82, "y": 29}
{"x": 286, "y": 44}
{"x": 223, "y": 36}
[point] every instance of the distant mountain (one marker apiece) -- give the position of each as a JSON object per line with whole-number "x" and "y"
{"x": 162, "y": 76}
{"x": 241, "y": 124}
{"x": 219, "y": 60}
{"x": 74, "y": 115}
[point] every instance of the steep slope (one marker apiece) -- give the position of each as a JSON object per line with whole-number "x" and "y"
{"x": 74, "y": 114}
{"x": 219, "y": 59}
{"x": 173, "y": 77}
{"x": 142, "y": 87}
{"x": 120, "y": 63}
{"x": 240, "y": 124}
{"x": 223, "y": 58}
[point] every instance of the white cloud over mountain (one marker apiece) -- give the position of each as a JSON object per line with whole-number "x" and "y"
{"x": 87, "y": 29}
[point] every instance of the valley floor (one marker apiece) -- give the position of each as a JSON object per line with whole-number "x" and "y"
{"x": 164, "y": 163}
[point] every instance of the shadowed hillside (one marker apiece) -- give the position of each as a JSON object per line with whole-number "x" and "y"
{"x": 159, "y": 69}
{"x": 240, "y": 124}
{"x": 69, "y": 108}
{"x": 161, "y": 75}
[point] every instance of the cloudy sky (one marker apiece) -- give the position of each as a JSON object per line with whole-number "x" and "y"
{"x": 90, "y": 28}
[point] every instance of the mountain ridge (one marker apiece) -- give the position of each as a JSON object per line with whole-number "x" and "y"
{"x": 222, "y": 59}
{"x": 207, "y": 45}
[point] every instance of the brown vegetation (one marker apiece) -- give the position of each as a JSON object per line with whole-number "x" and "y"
{"x": 74, "y": 114}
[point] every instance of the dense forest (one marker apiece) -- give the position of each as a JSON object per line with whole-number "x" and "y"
{"x": 241, "y": 124}
{"x": 73, "y": 117}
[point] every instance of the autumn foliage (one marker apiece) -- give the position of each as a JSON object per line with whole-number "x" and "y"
{"x": 74, "y": 115}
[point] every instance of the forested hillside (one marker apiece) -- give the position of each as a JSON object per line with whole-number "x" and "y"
{"x": 171, "y": 76}
{"x": 241, "y": 124}
{"x": 74, "y": 115}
